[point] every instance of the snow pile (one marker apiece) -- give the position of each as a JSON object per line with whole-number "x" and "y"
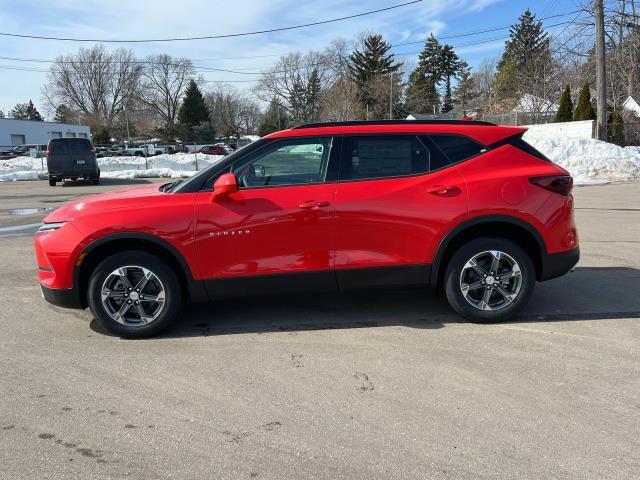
{"x": 171, "y": 166}
{"x": 588, "y": 160}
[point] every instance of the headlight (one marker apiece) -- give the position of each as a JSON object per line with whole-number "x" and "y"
{"x": 49, "y": 227}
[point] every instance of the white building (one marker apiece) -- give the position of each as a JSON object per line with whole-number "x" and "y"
{"x": 19, "y": 132}
{"x": 630, "y": 105}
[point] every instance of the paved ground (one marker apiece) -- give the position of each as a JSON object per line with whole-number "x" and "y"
{"x": 361, "y": 386}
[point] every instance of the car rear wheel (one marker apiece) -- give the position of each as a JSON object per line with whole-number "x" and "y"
{"x": 52, "y": 182}
{"x": 489, "y": 279}
{"x": 134, "y": 294}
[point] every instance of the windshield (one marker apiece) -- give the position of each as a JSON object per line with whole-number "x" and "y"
{"x": 194, "y": 183}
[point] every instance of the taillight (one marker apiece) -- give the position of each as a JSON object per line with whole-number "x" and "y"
{"x": 560, "y": 184}
{"x": 47, "y": 152}
{"x": 92, "y": 149}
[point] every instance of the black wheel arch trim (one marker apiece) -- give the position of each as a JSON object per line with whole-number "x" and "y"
{"x": 444, "y": 243}
{"x": 195, "y": 287}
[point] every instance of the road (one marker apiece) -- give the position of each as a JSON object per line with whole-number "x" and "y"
{"x": 359, "y": 386}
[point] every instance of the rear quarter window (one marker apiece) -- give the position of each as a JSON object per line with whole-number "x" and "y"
{"x": 457, "y": 148}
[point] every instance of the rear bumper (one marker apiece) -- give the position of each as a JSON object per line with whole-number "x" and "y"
{"x": 62, "y": 297}
{"x": 557, "y": 264}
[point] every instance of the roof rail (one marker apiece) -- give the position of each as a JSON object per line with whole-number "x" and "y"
{"x": 392, "y": 122}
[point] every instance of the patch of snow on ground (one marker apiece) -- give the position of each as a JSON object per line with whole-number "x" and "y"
{"x": 590, "y": 161}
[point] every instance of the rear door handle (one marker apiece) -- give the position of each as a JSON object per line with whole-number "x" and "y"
{"x": 441, "y": 189}
{"x": 310, "y": 204}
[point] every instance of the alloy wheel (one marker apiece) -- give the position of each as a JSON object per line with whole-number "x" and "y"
{"x": 491, "y": 280}
{"x": 133, "y": 295}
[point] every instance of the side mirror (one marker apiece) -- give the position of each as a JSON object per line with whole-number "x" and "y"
{"x": 224, "y": 186}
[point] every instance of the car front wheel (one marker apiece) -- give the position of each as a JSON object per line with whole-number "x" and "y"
{"x": 134, "y": 294}
{"x": 489, "y": 279}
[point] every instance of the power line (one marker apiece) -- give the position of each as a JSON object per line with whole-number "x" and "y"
{"x": 210, "y": 37}
{"x": 241, "y": 72}
{"x": 479, "y": 32}
{"x": 273, "y": 72}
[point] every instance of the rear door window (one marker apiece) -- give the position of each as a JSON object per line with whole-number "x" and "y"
{"x": 79, "y": 146}
{"x": 456, "y": 147}
{"x": 59, "y": 146}
{"x": 383, "y": 156}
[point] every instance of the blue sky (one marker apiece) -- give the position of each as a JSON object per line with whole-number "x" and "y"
{"x": 118, "y": 19}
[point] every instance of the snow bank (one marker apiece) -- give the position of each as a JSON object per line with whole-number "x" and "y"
{"x": 588, "y": 160}
{"x": 178, "y": 165}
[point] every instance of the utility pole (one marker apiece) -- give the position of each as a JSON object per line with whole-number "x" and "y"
{"x": 390, "y": 96}
{"x": 601, "y": 71}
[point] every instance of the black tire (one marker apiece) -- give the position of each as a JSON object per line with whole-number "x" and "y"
{"x": 453, "y": 272}
{"x": 52, "y": 182}
{"x": 166, "y": 275}
{"x": 95, "y": 180}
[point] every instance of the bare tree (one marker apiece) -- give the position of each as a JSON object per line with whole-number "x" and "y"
{"x": 232, "y": 112}
{"x": 163, "y": 83}
{"x": 298, "y": 81}
{"x": 95, "y": 82}
{"x": 483, "y": 78}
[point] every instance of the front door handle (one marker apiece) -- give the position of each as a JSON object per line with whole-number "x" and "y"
{"x": 442, "y": 189}
{"x": 311, "y": 204}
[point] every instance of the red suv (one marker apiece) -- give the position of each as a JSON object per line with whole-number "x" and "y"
{"x": 465, "y": 206}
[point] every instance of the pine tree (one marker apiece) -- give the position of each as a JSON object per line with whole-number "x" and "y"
{"x": 367, "y": 66}
{"x": 193, "y": 111}
{"x": 565, "y": 110}
{"x": 1, "y": 114}
{"x": 25, "y": 111}
{"x": 584, "y": 109}
{"x": 275, "y": 118}
{"x": 465, "y": 90}
{"x": 616, "y": 129}
{"x": 32, "y": 112}
{"x": 63, "y": 114}
{"x": 422, "y": 91}
{"x": 449, "y": 66}
{"x": 527, "y": 48}
{"x": 313, "y": 97}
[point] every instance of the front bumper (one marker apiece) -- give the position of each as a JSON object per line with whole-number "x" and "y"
{"x": 62, "y": 297}
{"x": 557, "y": 264}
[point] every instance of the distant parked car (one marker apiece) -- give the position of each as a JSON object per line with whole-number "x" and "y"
{"x": 213, "y": 150}
{"x": 71, "y": 158}
{"x": 23, "y": 151}
{"x": 103, "y": 152}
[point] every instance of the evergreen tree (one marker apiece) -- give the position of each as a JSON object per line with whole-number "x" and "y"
{"x": 313, "y": 97}
{"x": 584, "y": 109}
{"x": 565, "y": 110}
{"x": 616, "y": 129}
{"x": 275, "y": 118}
{"x": 1, "y": 114}
{"x": 449, "y": 65}
{"x": 63, "y": 114}
{"x": 526, "y": 49}
{"x": 367, "y": 66}
{"x": 25, "y": 111}
{"x": 465, "y": 91}
{"x": 193, "y": 111}
{"x": 422, "y": 91}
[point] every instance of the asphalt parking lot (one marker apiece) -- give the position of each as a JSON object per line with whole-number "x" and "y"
{"x": 359, "y": 386}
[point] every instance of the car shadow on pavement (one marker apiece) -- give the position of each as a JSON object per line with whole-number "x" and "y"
{"x": 588, "y": 293}
{"x": 107, "y": 182}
